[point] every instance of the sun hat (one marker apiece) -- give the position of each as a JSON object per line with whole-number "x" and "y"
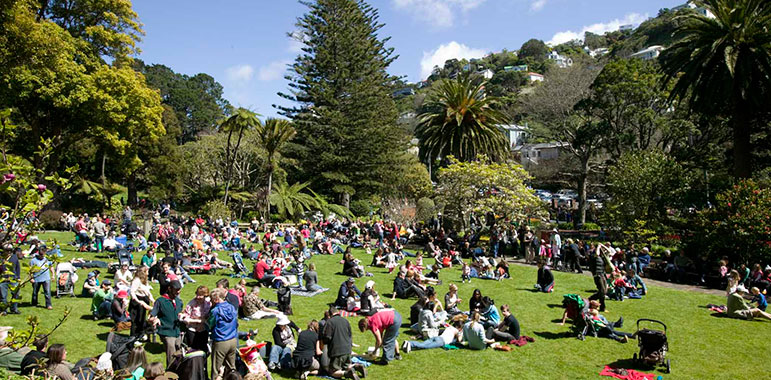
{"x": 105, "y": 362}
{"x": 741, "y": 289}
{"x": 282, "y": 321}
{"x": 122, "y": 294}
{"x": 369, "y": 284}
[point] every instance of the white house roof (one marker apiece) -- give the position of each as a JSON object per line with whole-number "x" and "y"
{"x": 648, "y": 50}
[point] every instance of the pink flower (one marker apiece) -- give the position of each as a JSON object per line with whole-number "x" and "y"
{"x": 41, "y": 188}
{"x": 9, "y": 177}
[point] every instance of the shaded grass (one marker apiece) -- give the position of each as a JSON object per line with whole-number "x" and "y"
{"x": 701, "y": 345}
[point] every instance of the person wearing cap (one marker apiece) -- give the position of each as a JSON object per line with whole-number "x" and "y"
{"x": 738, "y": 308}
{"x": 91, "y": 285}
{"x": 101, "y": 302}
{"x": 347, "y": 290}
{"x": 165, "y": 315}
{"x": 9, "y": 279}
{"x": 119, "y": 307}
{"x": 283, "y": 343}
{"x": 223, "y": 325}
{"x": 384, "y": 325}
{"x": 9, "y": 357}
{"x": 41, "y": 277}
{"x": 370, "y": 300}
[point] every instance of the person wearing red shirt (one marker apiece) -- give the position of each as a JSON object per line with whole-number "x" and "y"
{"x": 385, "y": 326}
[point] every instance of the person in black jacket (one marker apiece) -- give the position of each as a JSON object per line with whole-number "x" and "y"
{"x": 597, "y": 266}
{"x": 30, "y": 360}
{"x": 347, "y": 289}
{"x": 573, "y": 257}
{"x": 545, "y": 282}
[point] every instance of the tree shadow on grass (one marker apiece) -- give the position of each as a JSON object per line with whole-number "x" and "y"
{"x": 553, "y": 335}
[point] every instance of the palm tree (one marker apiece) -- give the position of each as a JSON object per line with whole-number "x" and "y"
{"x": 723, "y": 64}
{"x": 240, "y": 121}
{"x": 272, "y": 136}
{"x": 290, "y": 200}
{"x": 460, "y": 120}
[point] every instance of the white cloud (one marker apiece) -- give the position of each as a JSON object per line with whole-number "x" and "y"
{"x": 537, "y": 5}
{"x": 445, "y": 52}
{"x": 438, "y": 13}
{"x": 273, "y": 71}
{"x": 239, "y": 73}
{"x": 599, "y": 28}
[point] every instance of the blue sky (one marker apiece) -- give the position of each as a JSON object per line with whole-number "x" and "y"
{"x": 244, "y": 45}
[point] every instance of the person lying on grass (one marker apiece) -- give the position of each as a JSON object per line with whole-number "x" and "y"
{"x": 607, "y": 330}
{"x": 449, "y": 335}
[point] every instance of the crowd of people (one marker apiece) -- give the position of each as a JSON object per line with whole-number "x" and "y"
{"x": 282, "y": 259}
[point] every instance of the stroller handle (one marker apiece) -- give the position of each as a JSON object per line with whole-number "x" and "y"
{"x": 652, "y": 321}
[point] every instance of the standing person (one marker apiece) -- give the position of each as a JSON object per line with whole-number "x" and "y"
{"x": 9, "y": 280}
{"x": 141, "y": 302}
{"x": 165, "y": 315}
{"x": 528, "y": 245}
{"x": 195, "y": 315}
{"x": 385, "y": 326}
{"x": 42, "y": 277}
{"x": 100, "y": 230}
{"x": 556, "y": 243}
{"x": 81, "y": 229}
{"x": 223, "y": 324}
{"x": 338, "y": 337}
{"x": 597, "y": 266}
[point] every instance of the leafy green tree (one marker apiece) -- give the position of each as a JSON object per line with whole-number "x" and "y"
{"x": 273, "y": 135}
{"x": 723, "y": 66}
{"x": 459, "y": 119}
{"x": 645, "y": 186}
{"x": 479, "y": 186}
{"x": 196, "y": 100}
{"x": 344, "y": 114}
{"x": 535, "y": 49}
{"x": 595, "y": 41}
{"x": 241, "y": 121}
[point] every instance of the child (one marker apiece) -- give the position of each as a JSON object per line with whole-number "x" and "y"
{"x": 545, "y": 282}
{"x": 465, "y": 273}
{"x": 758, "y": 297}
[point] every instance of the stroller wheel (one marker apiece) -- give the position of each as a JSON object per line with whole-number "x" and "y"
{"x": 669, "y": 368}
{"x": 634, "y": 358}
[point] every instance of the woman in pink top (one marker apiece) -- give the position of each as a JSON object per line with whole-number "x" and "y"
{"x": 385, "y": 326}
{"x": 195, "y": 315}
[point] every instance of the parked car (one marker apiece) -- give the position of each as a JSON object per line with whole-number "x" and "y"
{"x": 566, "y": 194}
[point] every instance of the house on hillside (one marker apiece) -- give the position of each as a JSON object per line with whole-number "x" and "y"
{"x": 531, "y": 155}
{"x": 535, "y": 77}
{"x": 515, "y": 134}
{"x": 515, "y": 68}
{"x": 649, "y": 53}
{"x": 691, "y": 5}
{"x": 626, "y": 27}
{"x": 596, "y": 53}
{"x": 561, "y": 60}
{"x": 487, "y": 74}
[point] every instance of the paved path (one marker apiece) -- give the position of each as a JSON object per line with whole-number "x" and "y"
{"x": 665, "y": 284}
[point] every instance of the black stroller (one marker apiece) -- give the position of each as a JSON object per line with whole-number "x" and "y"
{"x": 239, "y": 269}
{"x": 653, "y": 345}
{"x": 577, "y": 309}
{"x": 124, "y": 257}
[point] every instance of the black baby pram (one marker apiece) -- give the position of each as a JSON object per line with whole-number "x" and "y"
{"x": 577, "y": 309}
{"x": 124, "y": 257}
{"x": 653, "y": 345}
{"x": 239, "y": 269}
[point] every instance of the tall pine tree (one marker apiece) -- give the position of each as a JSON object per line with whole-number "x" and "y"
{"x": 344, "y": 114}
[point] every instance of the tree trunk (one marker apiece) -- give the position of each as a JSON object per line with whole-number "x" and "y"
{"x": 742, "y": 146}
{"x": 228, "y": 172}
{"x": 131, "y": 187}
{"x": 346, "y": 200}
{"x": 267, "y": 200}
{"x": 583, "y": 179}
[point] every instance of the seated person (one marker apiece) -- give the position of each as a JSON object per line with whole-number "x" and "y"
{"x": 428, "y": 324}
{"x": 30, "y": 360}
{"x": 119, "y": 307}
{"x": 91, "y": 284}
{"x": 490, "y": 315}
{"x": 635, "y": 283}
{"x": 759, "y": 298}
{"x": 643, "y": 260}
{"x": 348, "y": 296}
{"x": 101, "y": 302}
{"x": 402, "y": 288}
{"x": 737, "y": 308}
{"x": 370, "y": 300}
{"x": 545, "y": 281}
{"x": 502, "y": 270}
{"x": 507, "y": 330}
{"x": 10, "y": 358}
{"x": 254, "y": 308}
{"x": 474, "y": 334}
{"x": 351, "y": 267}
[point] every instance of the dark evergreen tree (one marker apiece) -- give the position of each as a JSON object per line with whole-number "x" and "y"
{"x": 344, "y": 114}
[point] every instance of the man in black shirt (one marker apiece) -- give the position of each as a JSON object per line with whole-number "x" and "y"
{"x": 507, "y": 330}
{"x": 338, "y": 338}
{"x": 597, "y": 266}
{"x": 30, "y": 360}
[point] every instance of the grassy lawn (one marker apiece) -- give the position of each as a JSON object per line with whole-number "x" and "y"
{"x": 702, "y": 346}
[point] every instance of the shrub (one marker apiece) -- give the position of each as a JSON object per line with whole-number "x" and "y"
{"x": 216, "y": 209}
{"x": 425, "y": 209}
{"x": 361, "y": 207}
{"x": 51, "y": 219}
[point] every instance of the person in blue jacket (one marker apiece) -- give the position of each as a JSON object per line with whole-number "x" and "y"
{"x": 223, "y": 327}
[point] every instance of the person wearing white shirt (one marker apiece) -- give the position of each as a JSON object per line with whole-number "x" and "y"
{"x": 450, "y": 335}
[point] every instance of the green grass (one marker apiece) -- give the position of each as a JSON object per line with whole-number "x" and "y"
{"x": 701, "y": 346}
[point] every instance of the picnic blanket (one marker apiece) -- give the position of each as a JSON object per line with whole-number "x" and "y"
{"x": 717, "y": 308}
{"x": 346, "y": 313}
{"x": 360, "y": 360}
{"x": 302, "y": 292}
{"x": 626, "y": 374}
